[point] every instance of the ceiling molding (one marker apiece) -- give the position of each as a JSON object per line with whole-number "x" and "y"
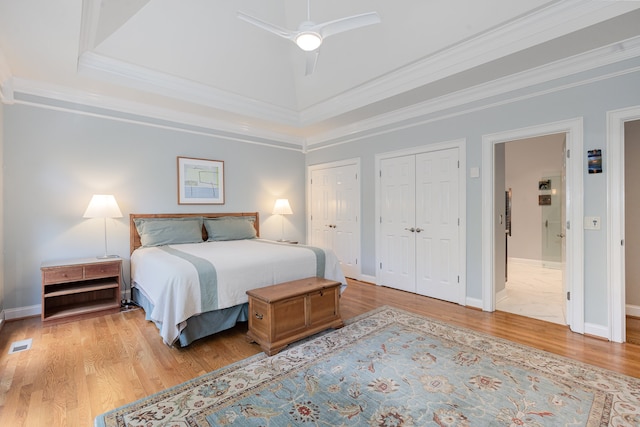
{"x": 119, "y": 72}
{"x": 6, "y": 86}
{"x": 560, "y": 18}
{"x": 556, "y": 20}
{"x": 89, "y": 25}
{"x": 109, "y": 106}
{"x": 607, "y": 55}
{"x": 569, "y": 66}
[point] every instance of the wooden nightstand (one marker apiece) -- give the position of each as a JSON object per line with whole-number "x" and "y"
{"x": 79, "y": 288}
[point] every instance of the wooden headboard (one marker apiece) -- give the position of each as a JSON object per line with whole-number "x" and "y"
{"x": 134, "y": 237}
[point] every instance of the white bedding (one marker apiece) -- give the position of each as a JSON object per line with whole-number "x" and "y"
{"x": 171, "y": 283}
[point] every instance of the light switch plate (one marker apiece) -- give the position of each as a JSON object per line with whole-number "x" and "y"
{"x": 592, "y": 223}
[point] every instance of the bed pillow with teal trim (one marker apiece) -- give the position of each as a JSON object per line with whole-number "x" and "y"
{"x": 169, "y": 231}
{"x": 230, "y": 228}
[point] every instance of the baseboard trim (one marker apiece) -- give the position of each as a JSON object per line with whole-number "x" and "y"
{"x": 473, "y": 302}
{"x": 23, "y": 312}
{"x": 632, "y": 310}
{"x": 598, "y": 331}
{"x": 501, "y": 295}
{"x": 367, "y": 278}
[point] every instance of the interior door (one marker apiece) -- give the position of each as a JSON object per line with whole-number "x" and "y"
{"x": 563, "y": 231}
{"x": 437, "y": 229}
{"x": 322, "y": 216}
{"x": 334, "y": 214}
{"x": 397, "y": 223}
{"x": 345, "y": 224}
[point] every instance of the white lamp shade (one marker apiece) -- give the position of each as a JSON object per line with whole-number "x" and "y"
{"x": 282, "y": 207}
{"x": 103, "y": 206}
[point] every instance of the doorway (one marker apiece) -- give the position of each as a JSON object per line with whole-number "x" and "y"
{"x": 616, "y": 123}
{"x": 492, "y": 243}
{"x": 534, "y": 247}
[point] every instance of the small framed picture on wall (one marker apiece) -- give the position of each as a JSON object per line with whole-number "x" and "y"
{"x": 200, "y": 181}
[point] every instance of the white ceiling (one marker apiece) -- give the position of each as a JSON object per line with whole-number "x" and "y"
{"x": 195, "y": 62}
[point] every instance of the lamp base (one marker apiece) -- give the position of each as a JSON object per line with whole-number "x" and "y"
{"x": 105, "y": 256}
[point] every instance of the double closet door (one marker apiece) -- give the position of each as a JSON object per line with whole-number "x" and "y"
{"x": 419, "y": 224}
{"x": 335, "y": 204}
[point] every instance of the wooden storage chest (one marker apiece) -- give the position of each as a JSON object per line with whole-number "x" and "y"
{"x": 283, "y": 313}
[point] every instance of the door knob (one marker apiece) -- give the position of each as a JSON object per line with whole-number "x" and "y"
{"x": 560, "y": 235}
{"x": 419, "y": 230}
{"x": 410, "y": 229}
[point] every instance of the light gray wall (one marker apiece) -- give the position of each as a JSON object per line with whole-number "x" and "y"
{"x": 527, "y": 162}
{"x": 632, "y": 212}
{"x": 57, "y": 160}
{"x": 1, "y": 210}
{"x": 590, "y": 100}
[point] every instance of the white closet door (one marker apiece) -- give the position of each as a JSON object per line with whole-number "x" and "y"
{"x": 397, "y": 218}
{"x": 322, "y": 216}
{"x": 345, "y": 224}
{"x": 334, "y": 214}
{"x": 437, "y": 229}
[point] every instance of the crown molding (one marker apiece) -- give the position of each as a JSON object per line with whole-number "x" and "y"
{"x": 591, "y": 60}
{"x": 546, "y": 24}
{"x": 107, "y": 107}
{"x": 6, "y": 80}
{"x": 112, "y": 70}
{"x": 556, "y": 20}
{"x": 89, "y": 24}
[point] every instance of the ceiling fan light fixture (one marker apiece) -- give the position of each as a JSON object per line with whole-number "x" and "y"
{"x": 308, "y": 40}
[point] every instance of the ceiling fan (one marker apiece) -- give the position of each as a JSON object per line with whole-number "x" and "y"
{"x": 309, "y": 35}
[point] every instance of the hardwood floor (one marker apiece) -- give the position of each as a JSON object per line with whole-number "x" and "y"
{"x": 78, "y": 370}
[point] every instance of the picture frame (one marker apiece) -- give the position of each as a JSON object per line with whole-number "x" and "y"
{"x": 200, "y": 181}
{"x": 594, "y": 161}
{"x": 544, "y": 200}
{"x": 544, "y": 184}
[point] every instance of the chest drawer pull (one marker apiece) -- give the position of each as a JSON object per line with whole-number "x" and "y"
{"x": 259, "y": 316}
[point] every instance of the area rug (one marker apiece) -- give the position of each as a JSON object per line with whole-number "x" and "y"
{"x": 394, "y": 368}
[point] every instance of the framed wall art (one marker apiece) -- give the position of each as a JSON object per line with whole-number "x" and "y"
{"x": 200, "y": 181}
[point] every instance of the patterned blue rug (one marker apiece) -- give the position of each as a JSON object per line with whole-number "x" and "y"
{"x": 394, "y": 368}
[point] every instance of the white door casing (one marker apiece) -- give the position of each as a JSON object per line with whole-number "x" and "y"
{"x": 616, "y": 223}
{"x": 574, "y": 203}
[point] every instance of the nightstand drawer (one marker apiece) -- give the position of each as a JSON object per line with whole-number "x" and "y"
{"x": 62, "y": 275}
{"x": 98, "y": 270}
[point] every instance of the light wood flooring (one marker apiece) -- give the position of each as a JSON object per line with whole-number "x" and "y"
{"x": 78, "y": 370}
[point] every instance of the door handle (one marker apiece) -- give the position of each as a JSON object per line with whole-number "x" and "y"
{"x": 560, "y": 235}
{"x": 419, "y": 230}
{"x": 410, "y": 229}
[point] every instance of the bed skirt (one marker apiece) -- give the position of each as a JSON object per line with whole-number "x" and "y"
{"x": 201, "y": 325}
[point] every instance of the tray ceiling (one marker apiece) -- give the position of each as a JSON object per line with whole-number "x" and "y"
{"x": 194, "y": 61}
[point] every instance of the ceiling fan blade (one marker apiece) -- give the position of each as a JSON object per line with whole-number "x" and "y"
{"x": 312, "y": 59}
{"x": 345, "y": 24}
{"x": 282, "y": 32}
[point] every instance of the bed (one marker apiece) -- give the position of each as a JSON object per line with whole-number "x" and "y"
{"x": 190, "y": 272}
